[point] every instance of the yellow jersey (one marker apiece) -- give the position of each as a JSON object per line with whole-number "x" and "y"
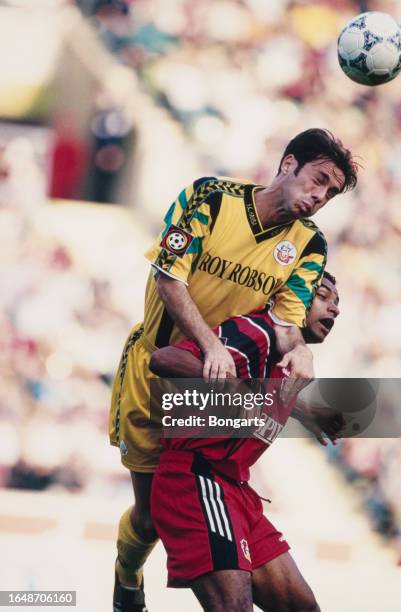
{"x": 213, "y": 241}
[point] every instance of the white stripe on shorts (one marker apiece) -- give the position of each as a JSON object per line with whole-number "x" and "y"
{"x": 214, "y": 506}
{"x": 223, "y": 511}
{"x": 206, "y": 501}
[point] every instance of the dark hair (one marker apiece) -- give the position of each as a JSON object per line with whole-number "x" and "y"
{"x": 119, "y": 5}
{"x": 330, "y": 277}
{"x": 321, "y": 144}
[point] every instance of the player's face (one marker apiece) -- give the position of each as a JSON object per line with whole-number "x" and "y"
{"x": 323, "y": 312}
{"x": 315, "y": 184}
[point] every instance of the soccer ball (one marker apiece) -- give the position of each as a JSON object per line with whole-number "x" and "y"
{"x": 369, "y": 48}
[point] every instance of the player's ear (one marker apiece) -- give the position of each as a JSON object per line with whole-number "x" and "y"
{"x": 288, "y": 164}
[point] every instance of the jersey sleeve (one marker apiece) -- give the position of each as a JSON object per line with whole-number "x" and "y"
{"x": 293, "y": 302}
{"x": 191, "y": 347}
{"x": 189, "y": 220}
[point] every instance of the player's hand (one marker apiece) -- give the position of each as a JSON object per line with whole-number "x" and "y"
{"x": 323, "y": 422}
{"x": 298, "y": 364}
{"x": 218, "y": 363}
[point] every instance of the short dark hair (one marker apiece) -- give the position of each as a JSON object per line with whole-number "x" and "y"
{"x": 330, "y": 277}
{"x": 119, "y": 5}
{"x": 321, "y": 144}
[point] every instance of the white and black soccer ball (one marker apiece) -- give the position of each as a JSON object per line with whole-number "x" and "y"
{"x": 369, "y": 48}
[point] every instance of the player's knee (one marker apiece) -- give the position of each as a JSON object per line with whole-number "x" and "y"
{"x": 143, "y": 526}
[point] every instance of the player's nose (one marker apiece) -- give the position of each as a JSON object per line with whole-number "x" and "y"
{"x": 319, "y": 194}
{"x": 334, "y": 309}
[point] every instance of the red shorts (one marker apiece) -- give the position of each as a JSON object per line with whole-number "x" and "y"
{"x": 206, "y": 522}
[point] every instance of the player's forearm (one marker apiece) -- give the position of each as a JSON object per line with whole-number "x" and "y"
{"x": 183, "y": 310}
{"x": 172, "y": 362}
{"x": 301, "y": 411}
{"x": 297, "y": 361}
{"x": 288, "y": 338}
{"x": 321, "y": 421}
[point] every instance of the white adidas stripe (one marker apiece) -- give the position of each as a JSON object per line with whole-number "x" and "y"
{"x": 223, "y": 512}
{"x": 205, "y": 499}
{"x": 209, "y": 494}
{"x": 216, "y": 512}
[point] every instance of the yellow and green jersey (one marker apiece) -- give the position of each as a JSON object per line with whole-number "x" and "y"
{"x": 213, "y": 241}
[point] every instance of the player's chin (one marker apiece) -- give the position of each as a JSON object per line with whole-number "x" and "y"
{"x": 297, "y": 211}
{"x": 303, "y": 215}
{"x": 317, "y": 333}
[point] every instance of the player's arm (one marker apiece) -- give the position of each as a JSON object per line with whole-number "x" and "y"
{"x": 289, "y": 313}
{"x": 218, "y": 363}
{"x": 323, "y": 422}
{"x": 173, "y": 362}
{"x": 189, "y": 219}
{"x": 297, "y": 359}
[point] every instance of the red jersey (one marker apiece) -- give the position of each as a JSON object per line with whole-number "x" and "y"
{"x": 251, "y": 341}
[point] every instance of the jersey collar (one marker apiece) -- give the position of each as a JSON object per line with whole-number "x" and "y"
{"x": 257, "y": 229}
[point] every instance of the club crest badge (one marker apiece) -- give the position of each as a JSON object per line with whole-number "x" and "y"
{"x": 285, "y": 253}
{"x": 176, "y": 240}
{"x": 245, "y": 550}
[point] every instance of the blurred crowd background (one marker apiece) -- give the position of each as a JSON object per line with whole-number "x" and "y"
{"x": 122, "y": 103}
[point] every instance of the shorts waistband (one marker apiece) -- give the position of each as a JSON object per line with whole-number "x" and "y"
{"x": 177, "y": 458}
{"x": 194, "y": 461}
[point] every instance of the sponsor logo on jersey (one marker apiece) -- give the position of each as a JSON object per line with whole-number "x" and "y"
{"x": 237, "y": 273}
{"x": 176, "y": 240}
{"x": 285, "y": 253}
{"x": 269, "y": 431}
{"x": 250, "y": 210}
{"x": 123, "y": 448}
{"x": 245, "y": 550}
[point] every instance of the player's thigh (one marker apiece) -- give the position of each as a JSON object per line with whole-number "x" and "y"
{"x": 224, "y": 591}
{"x": 278, "y": 586}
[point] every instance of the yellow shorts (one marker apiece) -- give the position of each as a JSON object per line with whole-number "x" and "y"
{"x": 130, "y": 427}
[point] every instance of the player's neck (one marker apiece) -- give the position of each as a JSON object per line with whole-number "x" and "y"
{"x": 269, "y": 206}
